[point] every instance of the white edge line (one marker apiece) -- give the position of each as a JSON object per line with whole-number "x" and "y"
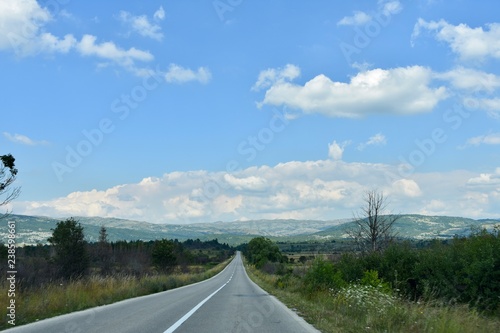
{"x": 193, "y": 310}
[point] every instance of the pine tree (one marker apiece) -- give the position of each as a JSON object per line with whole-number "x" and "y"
{"x": 71, "y": 249}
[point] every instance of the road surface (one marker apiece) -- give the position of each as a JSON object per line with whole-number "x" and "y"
{"x": 228, "y": 302}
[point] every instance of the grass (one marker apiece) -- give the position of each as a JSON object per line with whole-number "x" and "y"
{"x": 59, "y": 298}
{"x": 366, "y": 309}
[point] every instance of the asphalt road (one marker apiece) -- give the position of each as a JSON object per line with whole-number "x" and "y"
{"x": 228, "y": 302}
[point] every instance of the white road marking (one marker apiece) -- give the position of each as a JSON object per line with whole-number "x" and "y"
{"x": 193, "y": 310}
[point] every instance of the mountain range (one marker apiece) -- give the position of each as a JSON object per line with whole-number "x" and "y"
{"x": 37, "y": 229}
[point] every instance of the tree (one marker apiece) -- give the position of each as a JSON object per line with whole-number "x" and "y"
{"x": 163, "y": 255}
{"x": 8, "y": 174}
{"x": 261, "y": 250}
{"x": 70, "y": 246}
{"x": 373, "y": 227}
{"x": 104, "y": 261}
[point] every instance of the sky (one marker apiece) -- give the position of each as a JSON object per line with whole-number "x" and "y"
{"x": 223, "y": 110}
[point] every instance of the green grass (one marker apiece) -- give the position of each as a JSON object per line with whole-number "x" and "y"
{"x": 59, "y": 298}
{"x": 364, "y": 309}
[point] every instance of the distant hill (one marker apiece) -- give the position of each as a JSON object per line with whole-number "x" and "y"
{"x": 419, "y": 227}
{"x": 36, "y": 229}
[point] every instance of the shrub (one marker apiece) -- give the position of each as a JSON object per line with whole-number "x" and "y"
{"x": 323, "y": 276}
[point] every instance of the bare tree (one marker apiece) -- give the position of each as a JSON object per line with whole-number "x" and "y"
{"x": 8, "y": 174}
{"x": 373, "y": 226}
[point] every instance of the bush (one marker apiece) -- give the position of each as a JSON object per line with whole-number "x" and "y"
{"x": 323, "y": 276}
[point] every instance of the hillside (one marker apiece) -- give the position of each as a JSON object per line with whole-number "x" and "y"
{"x": 36, "y": 229}
{"x": 420, "y": 227}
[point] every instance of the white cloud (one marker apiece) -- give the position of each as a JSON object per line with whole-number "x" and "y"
{"x": 109, "y": 51}
{"x": 468, "y": 79}
{"x": 358, "y": 18}
{"x": 251, "y": 183}
{"x": 468, "y": 43}
{"x": 323, "y": 189}
{"x": 23, "y": 139}
{"x": 406, "y": 187}
{"x": 490, "y": 105}
{"x": 178, "y": 74}
{"x": 403, "y": 90}
{"x": 387, "y": 8}
{"x": 390, "y": 7}
{"x": 336, "y": 150}
{"x": 22, "y": 24}
{"x": 486, "y": 179}
{"x": 376, "y": 140}
{"x": 488, "y": 139}
{"x": 272, "y": 76}
{"x": 141, "y": 24}
{"x": 159, "y": 15}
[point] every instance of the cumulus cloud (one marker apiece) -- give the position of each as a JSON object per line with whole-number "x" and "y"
{"x": 468, "y": 43}
{"x": 272, "y": 76}
{"x": 406, "y": 187}
{"x": 142, "y": 25}
{"x": 23, "y": 139}
{"x": 468, "y": 79}
{"x": 322, "y": 189}
{"x": 22, "y": 31}
{"x": 336, "y": 150}
{"x": 485, "y": 179}
{"x": 251, "y": 183}
{"x": 376, "y": 140}
{"x": 179, "y": 74}
{"x": 402, "y": 90}
{"x": 20, "y": 22}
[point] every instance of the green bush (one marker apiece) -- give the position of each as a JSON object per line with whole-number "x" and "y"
{"x": 323, "y": 276}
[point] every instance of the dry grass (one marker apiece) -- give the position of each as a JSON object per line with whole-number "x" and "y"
{"x": 59, "y": 298}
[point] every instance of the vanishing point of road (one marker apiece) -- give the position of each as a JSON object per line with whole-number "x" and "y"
{"x": 228, "y": 302}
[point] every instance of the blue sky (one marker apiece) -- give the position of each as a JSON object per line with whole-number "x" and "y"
{"x": 199, "y": 111}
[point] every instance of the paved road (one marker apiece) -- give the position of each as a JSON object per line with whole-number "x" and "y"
{"x": 228, "y": 302}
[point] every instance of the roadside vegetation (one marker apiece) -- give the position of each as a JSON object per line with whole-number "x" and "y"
{"x": 445, "y": 287}
{"x": 70, "y": 274}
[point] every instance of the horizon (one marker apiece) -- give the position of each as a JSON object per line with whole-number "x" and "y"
{"x": 242, "y": 221}
{"x": 181, "y": 113}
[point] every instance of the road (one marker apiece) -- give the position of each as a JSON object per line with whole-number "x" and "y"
{"x": 228, "y": 302}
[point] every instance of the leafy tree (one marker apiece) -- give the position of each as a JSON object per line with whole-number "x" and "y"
{"x": 70, "y": 246}
{"x": 261, "y": 250}
{"x": 373, "y": 227}
{"x": 163, "y": 254}
{"x": 8, "y": 174}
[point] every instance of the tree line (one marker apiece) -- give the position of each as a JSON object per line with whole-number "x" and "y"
{"x": 69, "y": 256}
